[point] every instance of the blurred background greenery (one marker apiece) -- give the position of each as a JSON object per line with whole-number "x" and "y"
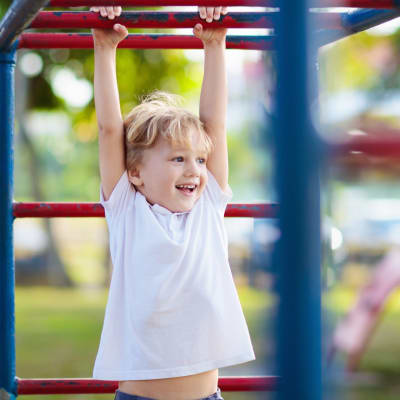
{"x": 63, "y": 265}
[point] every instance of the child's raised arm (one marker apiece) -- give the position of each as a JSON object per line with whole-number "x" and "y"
{"x": 109, "y": 118}
{"x": 213, "y": 99}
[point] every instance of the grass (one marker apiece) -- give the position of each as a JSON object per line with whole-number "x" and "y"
{"x": 55, "y": 329}
{"x": 57, "y": 334}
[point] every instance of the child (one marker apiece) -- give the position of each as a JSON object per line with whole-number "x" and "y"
{"x": 173, "y": 315}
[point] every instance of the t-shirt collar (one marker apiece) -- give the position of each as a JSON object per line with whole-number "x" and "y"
{"x": 164, "y": 211}
{"x": 160, "y": 209}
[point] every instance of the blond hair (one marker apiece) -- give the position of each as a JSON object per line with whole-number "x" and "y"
{"x": 159, "y": 115}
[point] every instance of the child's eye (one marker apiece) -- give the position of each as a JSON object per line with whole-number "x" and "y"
{"x": 202, "y": 160}
{"x": 178, "y": 159}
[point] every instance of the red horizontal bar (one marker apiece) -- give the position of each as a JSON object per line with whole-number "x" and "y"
{"x": 49, "y": 210}
{"x": 85, "y": 386}
{"x": 60, "y": 210}
{"x": 359, "y": 3}
{"x": 387, "y": 147}
{"x": 148, "y": 19}
{"x": 161, "y": 3}
{"x": 249, "y": 383}
{"x": 85, "y": 41}
{"x": 211, "y": 3}
{"x": 252, "y": 210}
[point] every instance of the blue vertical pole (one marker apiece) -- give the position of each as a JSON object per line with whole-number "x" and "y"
{"x": 297, "y": 182}
{"x": 7, "y": 315}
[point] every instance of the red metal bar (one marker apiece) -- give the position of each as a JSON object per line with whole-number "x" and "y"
{"x": 60, "y": 210}
{"x": 210, "y": 3}
{"x": 65, "y": 386}
{"x": 84, "y": 386}
{"x": 49, "y": 210}
{"x": 252, "y": 210}
{"x": 249, "y": 383}
{"x": 388, "y": 147}
{"x": 85, "y": 41}
{"x": 161, "y": 3}
{"x": 149, "y": 19}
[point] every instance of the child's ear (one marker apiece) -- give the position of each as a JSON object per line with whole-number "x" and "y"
{"x": 134, "y": 177}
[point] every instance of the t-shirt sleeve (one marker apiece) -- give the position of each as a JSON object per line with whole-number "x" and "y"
{"x": 217, "y": 196}
{"x": 122, "y": 195}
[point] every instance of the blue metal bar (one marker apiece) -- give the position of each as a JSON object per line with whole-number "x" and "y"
{"x": 20, "y": 14}
{"x": 358, "y": 21}
{"x": 297, "y": 253}
{"x": 7, "y": 316}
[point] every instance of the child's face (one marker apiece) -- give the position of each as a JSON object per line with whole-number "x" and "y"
{"x": 173, "y": 177}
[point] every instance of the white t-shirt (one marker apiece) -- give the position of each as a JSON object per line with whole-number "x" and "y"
{"x": 173, "y": 309}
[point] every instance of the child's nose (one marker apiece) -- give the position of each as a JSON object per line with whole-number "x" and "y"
{"x": 192, "y": 168}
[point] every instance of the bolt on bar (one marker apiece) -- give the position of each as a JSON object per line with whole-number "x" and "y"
{"x": 154, "y": 41}
{"x": 49, "y": 210}
{"x": 213, "y": 3}
{"x": 148, "y": 19}
{"x": 85, "y": 386}
{"x": 18, "y": 16}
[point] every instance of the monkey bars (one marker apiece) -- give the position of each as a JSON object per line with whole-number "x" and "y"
{"x": 148, "y": 19}
{"x": 161, "y": 20}
{"x": 335, "y": 26}
{"x": 212, "y": 3}
{"x": 297, "y": 165}
{"x": 18, "y": 16}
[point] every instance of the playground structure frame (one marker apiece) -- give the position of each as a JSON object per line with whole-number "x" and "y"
{"x": 299, "y": 355}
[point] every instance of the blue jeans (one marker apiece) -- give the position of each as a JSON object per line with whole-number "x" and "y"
{"x": 125, "y": 396}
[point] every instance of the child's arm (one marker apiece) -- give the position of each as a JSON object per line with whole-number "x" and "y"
{"x": 213, "y": 99}
{"x": 109, "y": 118}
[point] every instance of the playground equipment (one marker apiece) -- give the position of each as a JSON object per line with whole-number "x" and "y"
{"x": 355, "y": 330}
{"x": 299, "y": 33}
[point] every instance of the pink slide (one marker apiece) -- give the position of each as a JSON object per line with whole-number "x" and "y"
{"x": 354, "y": 331}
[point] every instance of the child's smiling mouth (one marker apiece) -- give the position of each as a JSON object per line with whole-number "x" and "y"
{"x": 187, "y": 189}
